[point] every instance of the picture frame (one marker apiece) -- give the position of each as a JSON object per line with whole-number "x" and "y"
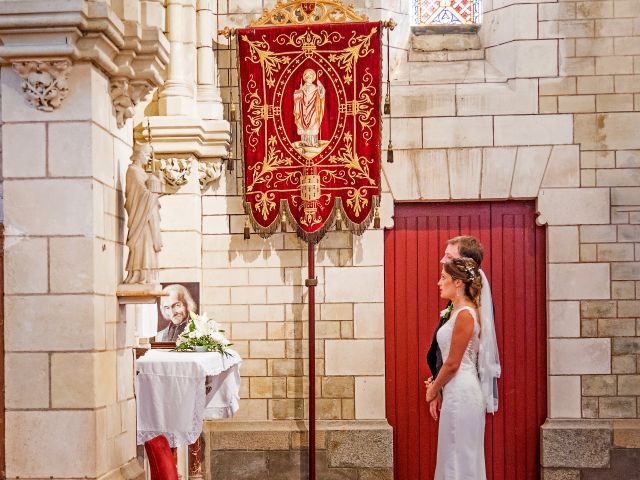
{"x": 173, "y": 311}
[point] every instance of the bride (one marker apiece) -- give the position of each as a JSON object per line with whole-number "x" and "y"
{"x": 465, "y": 398}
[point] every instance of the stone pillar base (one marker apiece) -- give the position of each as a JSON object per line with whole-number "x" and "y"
{"x": 360, "y": 449}
{"x": 591, "y": 449}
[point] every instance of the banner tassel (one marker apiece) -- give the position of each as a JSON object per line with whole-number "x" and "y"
{"x": 376, "y": 219}
{"x": 283, "y": 222}
{"x": 232, "y": 112}
{"x": 338, "y": 220}
{"x": 387, "y": 100}
{"x": 247, "y": 228}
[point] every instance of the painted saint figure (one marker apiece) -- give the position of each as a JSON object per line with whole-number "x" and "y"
{"x": 143, "y": 209}
{"x": 175, "y": 308}
{"x": 308, "y": 109}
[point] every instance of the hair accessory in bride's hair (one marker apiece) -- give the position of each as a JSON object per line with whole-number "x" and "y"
{"x": 471, "y": 272}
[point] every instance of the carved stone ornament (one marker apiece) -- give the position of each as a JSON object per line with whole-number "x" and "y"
{"x": 209, "y": 172}
{"x": 304, "y": 11}
{"x": 125, "y": 95}
{"x": 176, "y": 171}
{"x": 44, "y": 82}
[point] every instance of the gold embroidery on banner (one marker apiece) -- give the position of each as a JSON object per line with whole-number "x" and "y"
{"x": 259, "y": 53}
{"x": 359, "y": 47}
{"x": 254, "y": 113}
{"x": 310, "y": 216}
{"x": 341, "y": 170}
{"x": 358, "y": 166}
{"x": 365, "y": 106}
{"x": 328, "y": 175}
{"x": 265, "y": 203}
{"x": 361, "y": 108}
{"x": 356, "y": 199}
{"x": 330, "y": 76}
{"x": 288, "y": 177}
{"x": 308, "y": 41}
{"x": 262, "y": 171}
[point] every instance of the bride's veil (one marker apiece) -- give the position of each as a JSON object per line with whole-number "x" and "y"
{"x": 488, "y": 357}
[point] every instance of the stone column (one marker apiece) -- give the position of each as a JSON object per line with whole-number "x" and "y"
{"x": 177, "y": 96}
{"x": 209, "y": 101}
{"x": 183, "y": 127}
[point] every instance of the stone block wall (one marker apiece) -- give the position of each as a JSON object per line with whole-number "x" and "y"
{"x": 599, "y": 83}
{"x": 249, "y": 450}
{"x": 541, "y": 103}
{"x": 256, "y": 288}
{"x": 68, "y": 86}
{"x": 590, "y": 449}
{"x": 70, "y": 407}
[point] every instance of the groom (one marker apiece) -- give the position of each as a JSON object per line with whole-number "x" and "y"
{"x": 463, "y": 246}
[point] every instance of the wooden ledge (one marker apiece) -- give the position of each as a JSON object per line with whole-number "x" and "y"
{"x": 139, "y": 293}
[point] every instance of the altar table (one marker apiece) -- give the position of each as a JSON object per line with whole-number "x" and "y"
{"x": 178, "y": 390}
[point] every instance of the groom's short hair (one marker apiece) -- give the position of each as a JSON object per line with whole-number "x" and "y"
{"x": 468, "y": 246}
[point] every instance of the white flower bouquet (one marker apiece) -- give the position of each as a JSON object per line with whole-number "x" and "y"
{"x": 202, "y": 334}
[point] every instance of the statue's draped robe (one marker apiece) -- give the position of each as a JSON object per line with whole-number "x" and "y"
{"x": 308, "y": 112}
{"x": 143, "y": 209}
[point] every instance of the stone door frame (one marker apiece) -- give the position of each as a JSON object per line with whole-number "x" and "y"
{"x": 549, "y": 175}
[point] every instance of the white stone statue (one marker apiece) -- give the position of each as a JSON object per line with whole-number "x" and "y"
{"x": 142, "y": 192}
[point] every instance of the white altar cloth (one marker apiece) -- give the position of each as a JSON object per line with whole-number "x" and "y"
{"x": 178, "y": 390}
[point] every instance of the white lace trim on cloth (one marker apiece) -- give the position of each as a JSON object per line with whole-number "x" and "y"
{"x": 164, "y": 387}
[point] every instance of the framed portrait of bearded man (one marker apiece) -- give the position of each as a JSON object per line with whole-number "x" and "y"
{"x": 173, "y": 309}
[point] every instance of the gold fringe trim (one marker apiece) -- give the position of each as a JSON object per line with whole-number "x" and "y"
{"x": 313, "y": 237}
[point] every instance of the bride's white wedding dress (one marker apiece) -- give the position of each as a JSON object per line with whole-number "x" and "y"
{"x": 461, "y": 428}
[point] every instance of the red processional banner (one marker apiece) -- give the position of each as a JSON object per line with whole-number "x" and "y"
{"x": 310, "y": 98}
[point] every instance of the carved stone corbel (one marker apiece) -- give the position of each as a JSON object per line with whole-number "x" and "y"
{"x": 125, "y": 95}
{"x": 209, "y": 172}
{"x": 176, "y": 171}
{"x": 44, "y": 82}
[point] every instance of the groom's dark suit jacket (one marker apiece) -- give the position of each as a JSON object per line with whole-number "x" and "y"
{"x": 434, "y": 355}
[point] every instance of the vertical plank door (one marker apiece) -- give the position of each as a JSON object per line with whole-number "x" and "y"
{"x": 514, "y": 263}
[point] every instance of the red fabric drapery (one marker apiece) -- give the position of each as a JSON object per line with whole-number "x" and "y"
{"x": 310, "y": 98}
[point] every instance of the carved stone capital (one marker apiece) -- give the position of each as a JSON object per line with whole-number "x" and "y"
{"x": 125, "y": 95}
{"x": 209, "y": 172}
{"x": 176, "y": 171}
{"x": 43, "y": 41}
{"x": 44, "y": 82}
{"x": 184, "y": 135}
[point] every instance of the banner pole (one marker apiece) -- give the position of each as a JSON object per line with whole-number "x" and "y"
{"x": 311, "y": 283}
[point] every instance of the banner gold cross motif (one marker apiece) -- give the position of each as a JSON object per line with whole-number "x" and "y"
{"x": 310, "y": 98}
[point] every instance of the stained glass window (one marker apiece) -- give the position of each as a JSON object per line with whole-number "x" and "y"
{"x": 446, "y": 12}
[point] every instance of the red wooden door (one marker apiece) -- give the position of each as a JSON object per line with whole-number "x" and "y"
{"x": 514, "y": 263}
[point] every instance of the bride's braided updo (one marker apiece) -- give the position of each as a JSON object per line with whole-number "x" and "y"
{"x": 466, "y": 269}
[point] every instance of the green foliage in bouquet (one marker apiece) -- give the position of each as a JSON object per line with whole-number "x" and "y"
{"x": 202, "y": 331}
